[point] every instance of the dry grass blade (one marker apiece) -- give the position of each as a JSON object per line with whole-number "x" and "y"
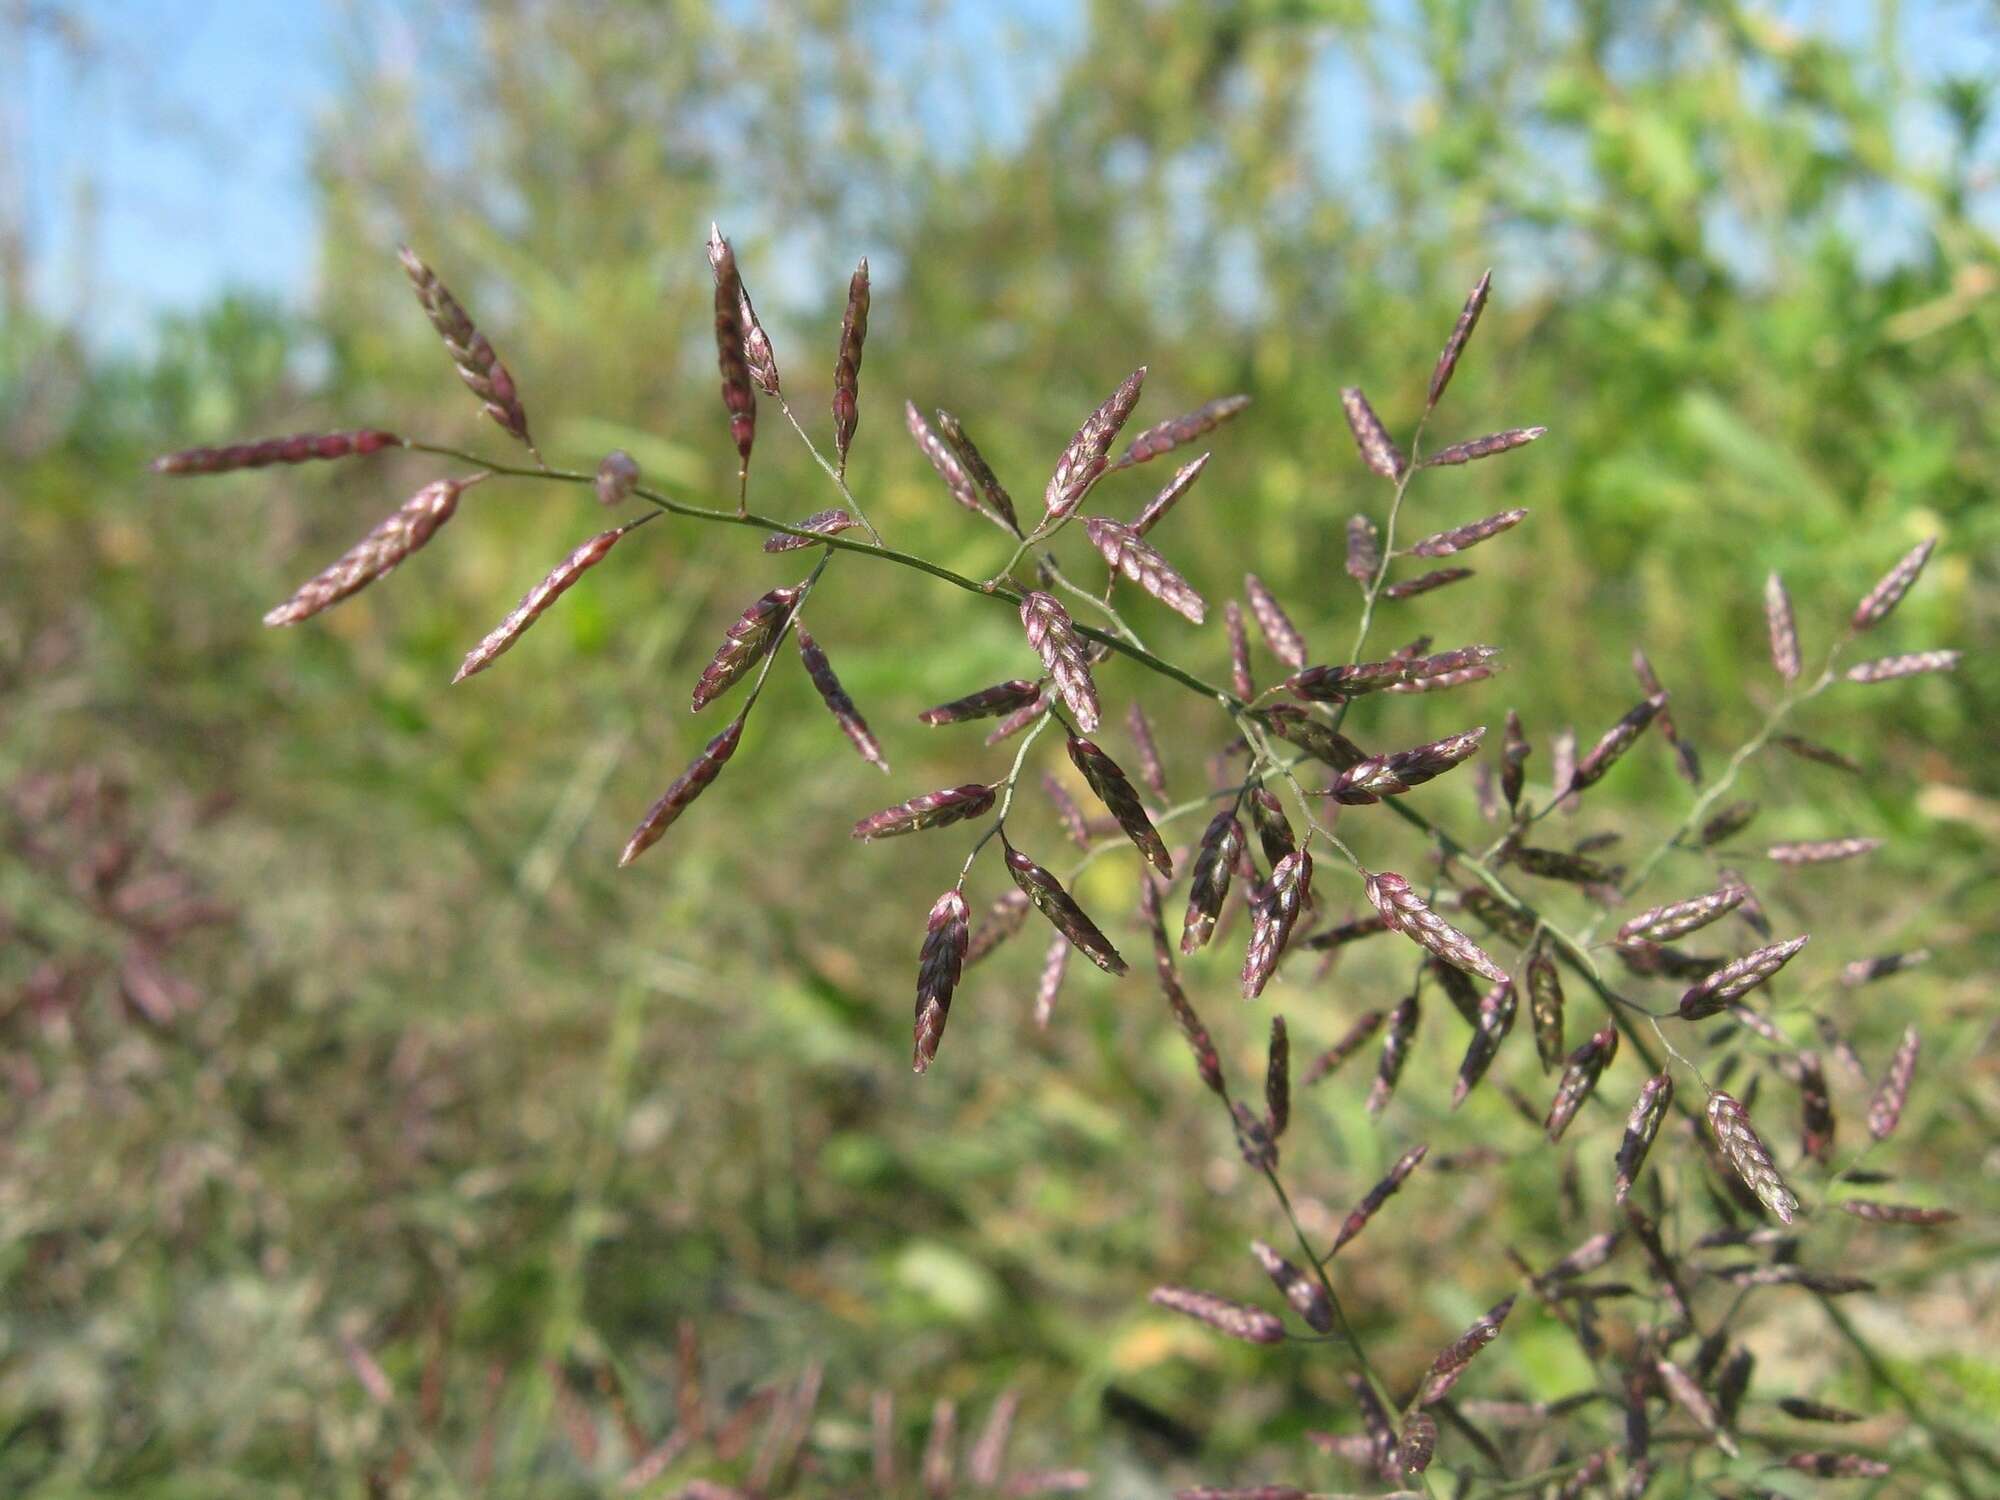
{"x": 1175, "y": 432}
{"x": 1482, "y": 447}
{"x": 1424, "y": 583}
{"x": 1910, "y": 664}
{"x": 847, "y": 364}
{"x": 1118, "y": 794}
{"x": 1641, "y": 1126}
{"x": 1170, "y": 495}
{"x": 1127, "y": 553}
{"x": 738, "y": 399}
{"x": 997, "y": 499}
{"x": 1378, "y": 451}
{"x": 1738, "y": 978}
{"x": 537, "y": 600}
{"x": 820, "y": 522}
{"x": 1395, "y": 1053}
{"x": 1783, "y": 627}
{"x": 952, "y": 804}
{"x": 1454, "y": 346}
{"x": 1586, "y": 1065}
{"x": 1053, "y": 636}
{"x": 304, "y": 447}
{"x": 1305, "y": 1294}
{"x": 1055, "y": 903}
{"x": 834, "y": 696}
{"x": 1404, "y": 910}
{"x": 747, "y": 641}
{"x": 1279, "y": 633}
{"x": 946, "y": 935}
{"x": 702, "y": 770}
{"x": 1364, "y": 550}
{"x": 478, "y": 366}
{"x": 1084, "y": 459}
{"x": 394, "y": 538}
{"x": 1251, "y": 1324}
{"x": 1885, "y": 1109}
{"x": 1451, "y": 1363}
{"x": 1747, "y": 1155}
{"x": 1001, "y": 698}
{"x": 1882, "y": 600}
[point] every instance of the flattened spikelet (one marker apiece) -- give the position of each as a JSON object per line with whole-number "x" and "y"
{"x": 1641, "y": 1126}
{"x": 1351, "y": 1041}
{"x": 1381, "y": 1193}
{"x": 737, "y": 397}
{"x": 1423, "y": 583}
{"x": 1395, "y": 1053}
{"x": 1391, "y": 775}
{"x": 1445, "y": 543}
{"x": 834, "y": 696}
{"x": 1738, "y": 978}
{"x": 748, "y": 640}
{"x": 1240, "y": 680}
{"x": 1364, "y": 550}
{"x": 847, "y": 364}
{"x": 1783, "y": 628}
{"x": 1615, "y": 742}
{"x": 1307, "y": 1297}
{"x": 1867, "y": 970}
{"x": 1662, "y": 924}
{"x": 757, "y": 351}
{"x": 1747, "y": 1155}
{"x": 1170, "y": 495}
{"x": 1067, "y": 812}
{"x": 1454, "y": 346}
{"x": 1378, "y": 451}
{"x": 1911, "y": 664}
{"x": 394, "y": 538}
{"x": 1004, "y": 918}
{"x": 997, "y": 499}
{"x": 1819, "y": 754}
{"x": 1586, "y": 1065}
{"x": 702, "y": 770}
{"x": 537, "y": 600}
{"x": 1214, "y": 867}
{"x": 1278, "y": 1080}
{"x": 1164, "y": 437}
{"x": 478, "y": 366}
{"x": 1150, "y": 770}
{"x": 1885, "y": 1109}
{"x": 1897, "y": 1213}
{"x": 1452, "y": 1361}
{"x": 1821, "y": 851}
{"x": 1013, "y": 723}
{"x": 1404, "y": 910}
{"x": 1545, "y": 1006}
{"x": 1514, "y": 753}
{"x": 1048, "y": 987}
{"x": 1279, "y": 633}
{"x": 948, "y": 466}
{"x": 1127, "y": 553}
{"x": 1686, "y": 760}
{"x": 1118, "y": 794}
{"x": 1252, "y": 1324}
{"x": 1325, "y": 744}
{"x": 1483, "y": 447}
{"x": 1055, "y": 903}
{"x": 1053, "y": 636}
{"x": 1495, "y": 1019}
{"x": 1886, "y": 595}
{"x": 304, "y": 447}
{"x": 1839, "y": 1466}
{"x": 820, "y": 522}
{"x": 946, "y": 935}
{"x": 1001, "y": 698}
{"x": 1273, "y": 916}
{"x": 937, "y": 809}
{"x": 1084, "y": 459}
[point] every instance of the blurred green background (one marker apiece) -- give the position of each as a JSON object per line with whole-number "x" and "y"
{"x": 439, "y": 1082}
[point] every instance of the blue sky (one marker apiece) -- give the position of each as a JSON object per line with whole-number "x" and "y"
{"x": 191, "y": 123}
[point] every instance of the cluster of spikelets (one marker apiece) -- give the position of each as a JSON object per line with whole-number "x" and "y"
{"x": 1251, "y": 855}
{"x": 766, "y": 1443}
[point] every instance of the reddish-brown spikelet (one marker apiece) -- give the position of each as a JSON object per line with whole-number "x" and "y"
{"x": 1118, "y": 794}
{"x": 1404, "y": 910}
{"x": 737, "y": 397}
{"x": 393, "y": 539}
{"x": 1812, "y": 750}
{"x": 1242, "y": 1492}
{"x": 938, "y": 1468}
{"x": 1053, "y": 636}
{"x": 948, "y": 805}
{"x": 938, "y": 967}
{"x": 1545, "y": 1006}
{"x": 1816, "y": 1119}
{"x": 747, "y": 641}
{"x": 1783, "y": 627}
{"x": 1726, "y": 824}
{"x": 820, "y": 523}
{"x": 834, "y": 696}
{"x": 1001, "y": 698}
{"x": 1662, "y": 924}
{"x": 1150, "y": 769}
{"x": 1482, "y": 447}
{"x": 989, "y": 1453}
{"x": 1897, "y": 1213}
{"x": 1279, "y": 1081}
{"x": 1240, "y": 680}
{"x": 1586, "y": 1065}
{"x": 1004, "y": 918}
{"x": 1452, "y": 1362}
{"x": 1686, "y": 760}
{"x": 1560, "y": 864}
{"x": 1252, "y": 1324}
{"x": 1688, "y": 1395}
{"x": 1274, "y": 914}
{"x": 1821, "y": 851}
{"x": 1562, "y": 770}
{"x": 847, "y": 364}
{"x": 1164, "y": 437}
{"x": 1423, "y": 583}
{"x": 478, "y": 366}
{"x": 304, "y": 447}
{"x": 1207, "y": 1062}
{"x": 1747, "y": 1156}
{"x": 1454, "y": 346}
{"x": 1395, "y": 1052}
{"x": 1803, "y": 1410}
{"x": 537, "y": 600}
{"x": 1378, "y": 451}
{"x": 1307, "y": 1297}
{"x": 950, "y": 468}
{"x": 997, "y": 499}
{"x": 1381, "y": 1193}
{"x": 1437, "y": 682}
{"x": 1514, "y": 753}
{"x": 1169, "y": 496}
{"x": 1615, "y": 742}
{"x": 1641, "y": 1126}
{"x": 1495, "y": 1020}
{"x": 1084, "y": 459}
{"x": 1885, "y": 1109}
{"x": 1458, "y": 989}
{"x": 1274, "y": 832}
{"x": 1886, "y": 595}
{"x": 1839, "y": 1466}
{"x": 1868, "y": 970}
{"x": 691, "y": 783}
{"x": 617, "y": 478}
{"x": 1127, "y": 553}
{"x": 1290, "y": 722}
{"x": 1279, "y": 633}
{"x": 1048, "y": 987}
{"x": 1445, "y": 543}
{"x": 1055, "y": 903}
{"x": 1364, "y": 550}
{"x": 1390, "y": 775}
{"x": 1067, "y": 812}
{"x": 757, "y": 351}
{"x": 1911, "y": 664}
{"x": 1019, "y": 719}
{"x": 1417, "y": 1443}
{"x": 1738, "y": 978}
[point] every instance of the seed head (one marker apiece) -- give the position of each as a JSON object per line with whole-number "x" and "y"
{"x": 1214, "y": 866}
{"x": 1378, "y": 451}
{"x": 1662, "y": 924}
{"x": 1404, "y": 910}
{"x": 1084, "y": 459}
{"x": 995, "y": 494}
{"x": 1452, "y": 1362}
{"x": 1351, "y": 1041}
{"x": 304, "y": 447}
{"x": 1738, "y": 978}
{"x": 1118, "y": 794}
{"x": 1053, "y": 636}
{"x": 1454, "y": 346}
{"x": 1655, "y": 1095}
{"x": 952, "y": 804}
{"x": 748, "y": 641}
{"x": 950, "y": 468}
{"x": 1395, "y": 1053}
{"x": 1001, "y": 698}
{"x": 537, "y": 600}
{"x": 702, "y": 770}
{"x": 1273, "y": 916}
{"x": 737, "y": 397}
{"x": 847, "y": 364}
{"x": 1157, "y": 507}
{"x": 1748, "y": 1157}
{"x": 1483, "y": 447}
{"x": 393, "y": 539}
{"x": 1867, "y": 970}
{"x": 1586, "y": 1065}
{"x": 1173, "y": 433}
{"x": 1423, "y": 583}
{"x": 1897, "y": 1213}
{"x": 1616, "y": 741}
{"x": 1055, "y": 903}
{"x": 1004, "y": 918}
{"x": 1240, "y": 680}
{"x": 1886, "y": 595}
{"x": 946, "y": 935}
{"x": 478, "y": 366}
{"x": 1445, "y": 543}
{"x": 1128, "y": 553}
{"x": 1495, "y": 1020}
{"x": 834, "y": 696}
{"x": 1279, "y": 633}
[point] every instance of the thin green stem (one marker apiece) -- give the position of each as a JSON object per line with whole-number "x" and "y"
{"x": 838, "y": 477}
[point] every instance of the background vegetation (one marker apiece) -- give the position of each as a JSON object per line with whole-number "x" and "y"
{"x": 447, "y": 1084}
